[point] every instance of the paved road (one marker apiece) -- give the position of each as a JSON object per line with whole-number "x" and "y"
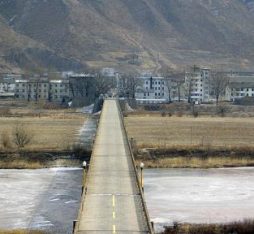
{"x": 112, "y": 203}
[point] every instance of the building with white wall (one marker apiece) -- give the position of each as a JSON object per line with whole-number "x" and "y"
{"x": 197, "y": 85}
{"x": 239, "y": 86}
{"x": 42, "y": 89}
{"x": 152, "y": 90}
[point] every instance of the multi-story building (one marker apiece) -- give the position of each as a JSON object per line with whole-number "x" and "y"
{"x": 59, "y": 90}
{"x": 35, "y": 89}
{"x": 152, "y": 90}
{"x": 239, "y": 86}
{"x": 32, "y": 89}
{"x": 197, "y": 85}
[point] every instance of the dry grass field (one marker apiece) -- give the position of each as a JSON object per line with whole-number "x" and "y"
{"x": 56, "y": 131}
{"x": 167, "y": 132}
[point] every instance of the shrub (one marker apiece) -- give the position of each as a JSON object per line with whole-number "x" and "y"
{"x": 5, "y": 140}
{"x": 5, "y": 112}
{"x": 179, "y": 114}
{"x": 21, "y": 136}
{"x": 222, "y": 110}
{"x": 169, "y": 114}
{"x": 195, "y": 114}
{"x": 163, "y": 114}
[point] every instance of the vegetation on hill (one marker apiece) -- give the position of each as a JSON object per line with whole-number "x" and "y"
{"x": 67, "y": 34}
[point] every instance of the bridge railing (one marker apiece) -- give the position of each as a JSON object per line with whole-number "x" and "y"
{"x": 150, "y": 227}
{"x": 84, "y": 188}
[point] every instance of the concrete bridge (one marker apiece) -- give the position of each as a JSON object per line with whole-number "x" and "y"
{"x": 112, "y": 201}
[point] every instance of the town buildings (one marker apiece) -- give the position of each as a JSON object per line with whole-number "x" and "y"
{"x": 239, "y": 86}
{"x": 42, "y": 89}
{"x": 152, "y": 90}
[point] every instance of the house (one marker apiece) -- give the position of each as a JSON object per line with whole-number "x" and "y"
{"x": 7, "y": 84}
{"x": 239, "y": 86}
{"x": 197, "y": 85}
{"x": 152, "y": 90}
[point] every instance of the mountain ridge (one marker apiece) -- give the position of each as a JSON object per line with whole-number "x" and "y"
{"x": 126, "y": 34}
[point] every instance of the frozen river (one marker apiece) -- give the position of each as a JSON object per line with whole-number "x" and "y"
{"x": 199, "y": 196}
{"x": 40, "y": 199}
{"x": 49, "y": 198}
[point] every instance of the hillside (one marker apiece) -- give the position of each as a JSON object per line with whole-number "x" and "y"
{"x": 126, "y": 34}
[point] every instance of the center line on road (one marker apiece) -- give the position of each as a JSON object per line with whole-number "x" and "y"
{"x": 113, "y": 200}
{"x": 114, "y": 214}
{"x": 114, "y": 229}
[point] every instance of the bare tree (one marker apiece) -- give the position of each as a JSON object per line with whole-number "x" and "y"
{"x": 166, "y": 72}
{"x": 173, "y": 80}
{"x": 104, "y": 84}
{"x": 218, "y": 83}
{"x": 21, "y": 136}
{"x": 130, "y": 83}
{"x": 188, "y": 83}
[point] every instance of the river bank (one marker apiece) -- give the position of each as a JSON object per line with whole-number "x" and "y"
{"x": 244, "y": 227}
{"x": 27, "y": 159}
{"x": 195, "y": 157}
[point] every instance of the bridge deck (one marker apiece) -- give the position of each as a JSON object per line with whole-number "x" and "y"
{"x": 112, "y": 203}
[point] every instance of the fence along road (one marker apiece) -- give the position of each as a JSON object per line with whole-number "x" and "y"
{"x": 112, "y": 201}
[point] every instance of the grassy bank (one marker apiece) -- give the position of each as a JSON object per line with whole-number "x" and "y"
{"x": 192, "y": 157}
{"x": 187, "y": 142}
{"x": 196, "y": 162}
{"x": 54, "y": 137}
{"x": 27, "y": 159}
{"x": 245, "y": 227}
{"x": 20, "y": 231}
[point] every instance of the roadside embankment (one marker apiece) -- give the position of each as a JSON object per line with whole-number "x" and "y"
{"x": 192, "y": 157}
{"x": 245, "y": 227}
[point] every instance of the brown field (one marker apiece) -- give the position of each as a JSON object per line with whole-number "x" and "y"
{"x": 57, "y": 131}
{"x": 170, "y": 132}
